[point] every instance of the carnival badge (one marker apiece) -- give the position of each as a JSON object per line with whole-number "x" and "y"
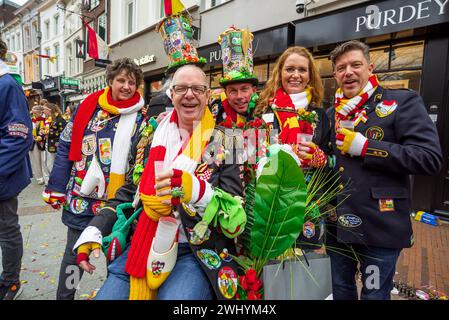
{"x": 385, "y": 108}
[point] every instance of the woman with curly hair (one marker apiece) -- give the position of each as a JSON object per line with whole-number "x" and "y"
{"x": 92, "y": 157}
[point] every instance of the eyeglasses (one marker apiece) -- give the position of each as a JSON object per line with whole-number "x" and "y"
{"x": 196, "y": 89}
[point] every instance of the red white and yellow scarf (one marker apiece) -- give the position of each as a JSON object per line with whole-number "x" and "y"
{"x": 166, "y": 147}
{"x": 351, "y": 109}
{"x": 286, "y": 108}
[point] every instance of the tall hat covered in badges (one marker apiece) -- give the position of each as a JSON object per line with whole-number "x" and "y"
{"x": 237, "y": 56}
{"x": 177, "y": 34}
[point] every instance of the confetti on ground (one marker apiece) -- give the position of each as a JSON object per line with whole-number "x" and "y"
{"x": 42, "y": 273}
{"x": 23, "y": 281}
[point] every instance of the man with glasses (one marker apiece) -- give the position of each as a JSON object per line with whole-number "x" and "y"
{"x": 178, "y": 182}
{"x": 234, "y": 107}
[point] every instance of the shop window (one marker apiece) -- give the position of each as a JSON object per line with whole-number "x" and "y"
{"x": 271, "y": 68}
{"x": 380, "y": 58}
{"x": 208, "y": 78}
{"x": 94, "y": 4}
{"x": 212, "y": 3}
{"x": 401, "y": 80}
{"x": 330, "y": 86}
{"x": 324, "y": 66}
{"x": 102, "y": 26}
{"x": 215, "y": 79}
{"x": 408, "y": 56}
{"x": 130, "y": 16}
{"x": 261, "y": 72}
{"x": 156, "y": 86}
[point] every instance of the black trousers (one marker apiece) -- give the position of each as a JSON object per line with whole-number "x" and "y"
{"x": 11, "y": 242}
{"x": 69, "y": 274}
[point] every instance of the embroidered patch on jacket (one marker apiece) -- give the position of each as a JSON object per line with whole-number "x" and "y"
{"x": 78, "y": 205}
{"x": 385, "y": 108}
{"x": 89, "y": 145}
{"x": 66, "y": 134}
{"x": 105, "y": 150}
{"x": 308, "y": 229}
{"x": 227, "y": 282}
{"x": 80, "y": 165}
{"x": 375, "y": 133}
{"x": 209, "y": 258}
{"x": 386, "y": 205}
{"x": 349, "y": 221}
{"x": 189, "y": 209}
{"x": 18, "y": 130}
{"x": 195, "y": 240}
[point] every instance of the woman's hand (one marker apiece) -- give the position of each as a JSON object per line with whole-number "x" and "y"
{"x": 305, "y": 150}
{"x": 163, "y": 184}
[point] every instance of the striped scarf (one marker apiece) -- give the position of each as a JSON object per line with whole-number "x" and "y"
{"x": 350, "y": 109}
{"x": 166, "y": 147}
{"x": 286, "y": 108}
{"x": 128, "y": 111}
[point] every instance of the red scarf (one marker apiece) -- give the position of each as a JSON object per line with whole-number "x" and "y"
{"x": 286, "y": 112}
{"x": 84, "y": 114}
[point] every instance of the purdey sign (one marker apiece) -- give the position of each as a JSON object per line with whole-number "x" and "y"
{"x": 379, "y": 17}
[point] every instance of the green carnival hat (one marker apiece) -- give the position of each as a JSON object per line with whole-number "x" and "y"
{"x": 237, "y": 56}
{"x": 177, "y": 34}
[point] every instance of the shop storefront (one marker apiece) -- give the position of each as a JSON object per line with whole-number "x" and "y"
{"x": 59, "y": 89}
{"x": 267, "y": 46}
{"x": 409, "y": 44}
{"x": 147, "y": 51}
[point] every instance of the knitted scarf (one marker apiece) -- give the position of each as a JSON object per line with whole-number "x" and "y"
{"x": 351, "y": 109}
{"x": 37, "y": 124}
{"x": 167, "y": 148}
{"x": 122, "y": 140}
{"x": 286, "y": 108}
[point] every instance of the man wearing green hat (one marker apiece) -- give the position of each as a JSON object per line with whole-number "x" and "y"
{"x": 177, "y": 35}
{"x": 235, "y": 106}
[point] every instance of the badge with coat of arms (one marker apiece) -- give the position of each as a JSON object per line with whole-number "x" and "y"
{"x": 385, "y": 108}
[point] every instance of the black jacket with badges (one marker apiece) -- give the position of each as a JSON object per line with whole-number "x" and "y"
{"x": 67, "y": 176}
{"x": 212, "y": 253}
{"x": 56, "y": 127}
{"x": 402, "y": 141}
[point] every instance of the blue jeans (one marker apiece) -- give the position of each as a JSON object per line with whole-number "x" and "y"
{"x": 187, "y": 281}
{"x": 377, "y": 266}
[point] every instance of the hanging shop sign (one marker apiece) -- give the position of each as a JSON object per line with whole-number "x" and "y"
{"x": 377, "y": 18}
{"x": 145, "y": 59}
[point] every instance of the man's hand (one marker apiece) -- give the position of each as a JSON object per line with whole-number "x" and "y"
{"x": 351, "y": 142}
{"x": 177, "y": 185}
{"x": 55, "y": 199}
{"x": 305, "y": 150}
{"x": 84, "y": 251}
